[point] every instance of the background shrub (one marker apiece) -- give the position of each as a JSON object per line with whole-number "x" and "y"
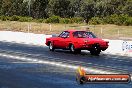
{"x": 128, "y": 21}
{"x": 96, "y": 20}
{"x": 65, "y": 20}
{"x": 25, "y": 19}
{"x": 4, "y": 18}
{"x": 77, "y": 20}
{"x": 14, "y": 18}
{"x": 53, "y": 19}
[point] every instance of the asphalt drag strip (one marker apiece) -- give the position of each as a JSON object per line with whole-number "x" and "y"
{"x": 15, "y": 73}
{"x": 59, "y": 64}
{"x": 23, "y": 66}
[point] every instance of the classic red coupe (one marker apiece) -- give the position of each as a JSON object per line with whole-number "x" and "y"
{"x": 76, "y": 40}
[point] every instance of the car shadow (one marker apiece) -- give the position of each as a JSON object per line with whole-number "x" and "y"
{"x": 83, "y": 52}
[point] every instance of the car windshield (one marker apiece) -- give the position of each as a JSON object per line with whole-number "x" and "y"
{"x": 83, "y": 34}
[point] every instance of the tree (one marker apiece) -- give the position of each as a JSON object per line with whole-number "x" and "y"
{"x": 18, "y": 7}
{"x": 13, "y": 7}
{"x": 88, "y": 10}
{"x": 1, "y": 6}
{"x": 6, "y": 4}
{"x": 60, "y": 8}
{"x": 39, "y": 8}
{"x": 76, "y": 6}
{"x": 127, "y": 9}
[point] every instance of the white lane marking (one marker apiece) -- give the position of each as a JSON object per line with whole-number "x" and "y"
{"x": 32, "y": 60}
{"x": 24, "y": 62}
{"x": 79, "y": 62}
{"x": 38, "y": 61}
{"x": 90, "y": 70}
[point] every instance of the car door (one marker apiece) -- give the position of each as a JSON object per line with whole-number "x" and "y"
{"x": 63, "y": 41}
{"x": 57, "y": 41}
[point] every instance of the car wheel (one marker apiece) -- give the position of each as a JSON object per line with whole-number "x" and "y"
{"x": 95, "y": 49}
{"x": 78, "y": 51}
{"x": 51, "y": 47}
{"x": 72, "y": 48}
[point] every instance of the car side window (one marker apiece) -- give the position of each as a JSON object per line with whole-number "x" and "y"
{"x": 61, "y": 34}
{"x": 65, "y": 35}
{"x": 90, "y": 35}
{"x": 77, "y": 34}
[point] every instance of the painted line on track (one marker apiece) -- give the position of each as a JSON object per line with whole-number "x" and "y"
{"x": 91, "y": 70}
{"x": 60, "y": 64}
{"x": 69, "y": 62}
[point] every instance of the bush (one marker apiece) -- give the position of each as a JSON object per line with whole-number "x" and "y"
{"x": 96, "y": 20}
{"x": 25, "y": 19}
{"x": 116, "y": 19}
{"x": 4, "y": 18}
{"x": 128, "y": 21}
{"x": 14, "y": 18}
{"x": 112, "y": 19}
{"x": 77, "y": 20}
{"x": 65, "y": 20}
{"x": 53, "y": 19}
{"x": 121, "y": 19}
{"x": 71, "y": 20}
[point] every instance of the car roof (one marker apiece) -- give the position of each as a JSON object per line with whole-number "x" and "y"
{"x": 72, "y": 30}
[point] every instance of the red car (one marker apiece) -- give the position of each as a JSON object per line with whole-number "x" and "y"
{"x": 76, "y": 40}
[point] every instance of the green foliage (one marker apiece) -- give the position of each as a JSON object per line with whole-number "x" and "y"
{"x": 70, "y": 11}
{"x": 88, "y": 11}
{"x": 66, "y": 21}
{"x": 13, "y": 7}
{"x": 112, "y": 19}
{"x": 25, "y": 19}
{"x": 128, "y": 21}
{"x": 77, "y": 20}
{"x": 62, "y": 8}
{"x": 57, "y": 19}
{"x": 4, "y": 18}
{"x": 117, "y": 19}
{"x": 96, "y": 20}
{"x": 53, "y": 19}
{"x": 39, "y": 8}
{"x": 14, "y": 18}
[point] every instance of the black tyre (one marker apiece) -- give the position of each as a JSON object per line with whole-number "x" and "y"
{"x": 51, "y": 47}
{"x": 95, "y": 49}
{"x": 78, "y": 51}
{"x": 73, "y": 50}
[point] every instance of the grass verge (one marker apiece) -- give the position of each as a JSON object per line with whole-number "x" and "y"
{"x": 103, "y": 31}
